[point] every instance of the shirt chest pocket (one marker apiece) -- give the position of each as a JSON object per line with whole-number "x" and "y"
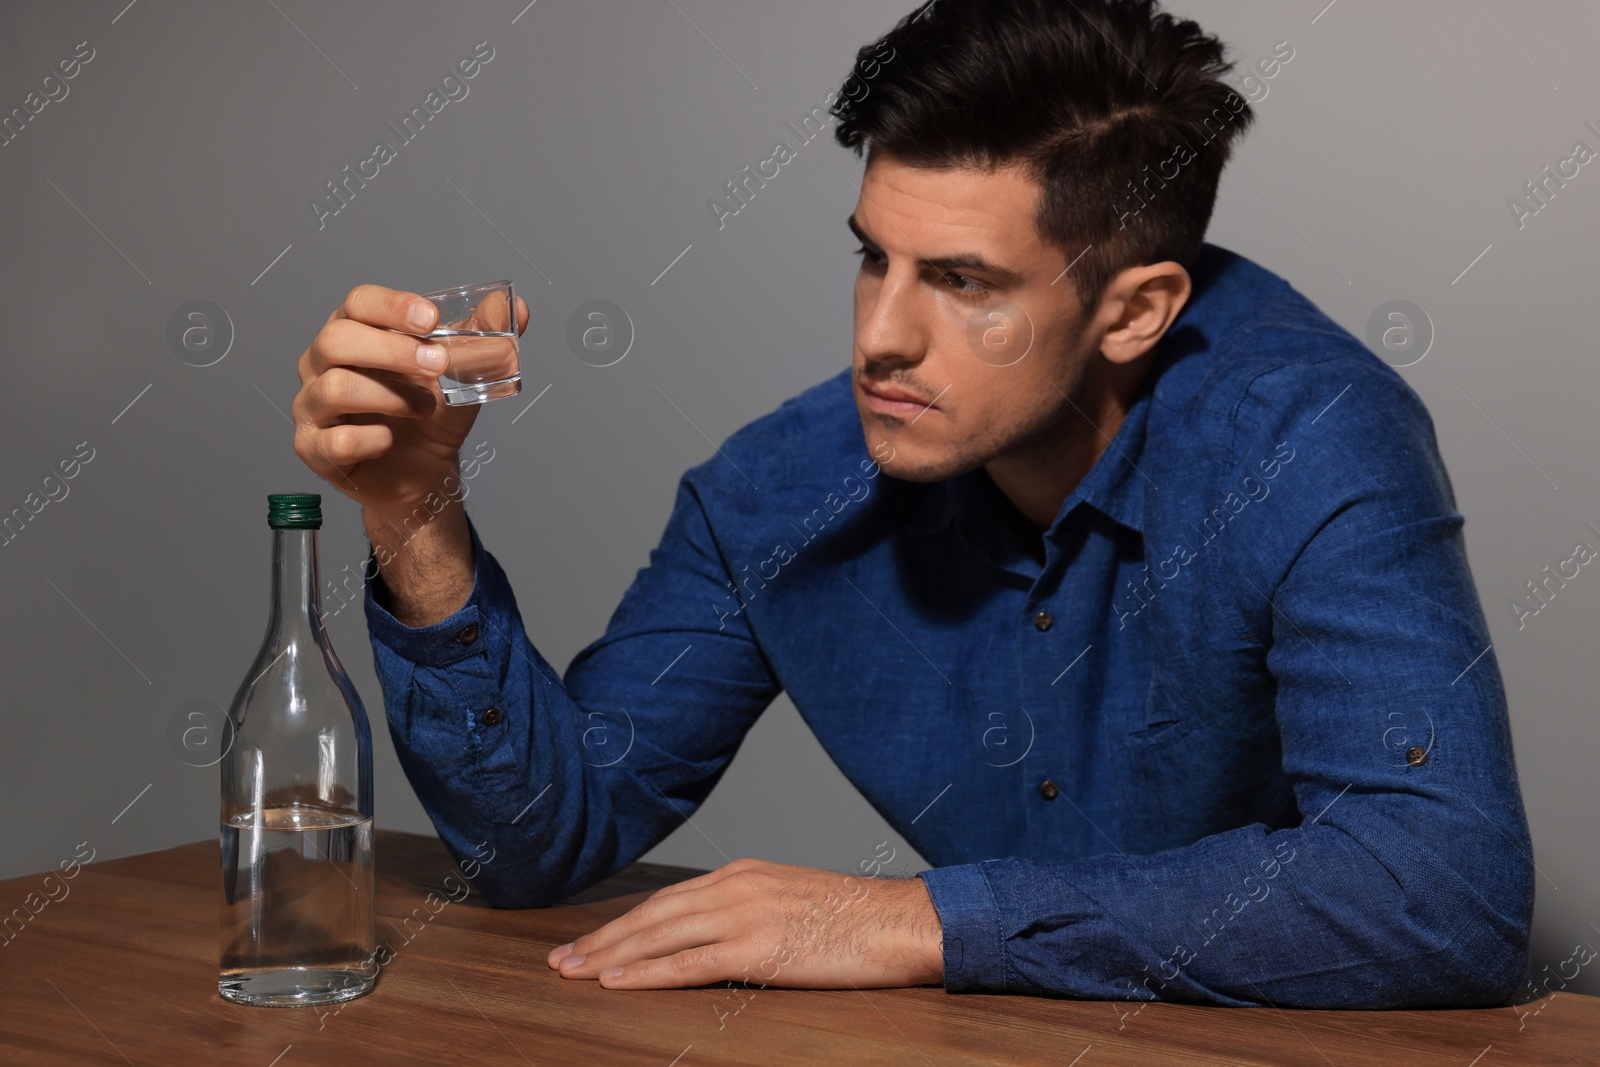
{"x": 1164, "y": 717}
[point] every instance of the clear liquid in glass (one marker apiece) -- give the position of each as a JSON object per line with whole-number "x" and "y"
{"x": 482, "y": 366}
{"x": 297, "y": 897}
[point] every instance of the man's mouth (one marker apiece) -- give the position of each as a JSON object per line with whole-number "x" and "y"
{"x": 895, "y": 400}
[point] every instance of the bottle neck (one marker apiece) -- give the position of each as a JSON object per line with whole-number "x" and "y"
{"x": 296, "y": 599}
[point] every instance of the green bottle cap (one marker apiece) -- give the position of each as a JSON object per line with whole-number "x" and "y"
{"x": 294, "y": 511}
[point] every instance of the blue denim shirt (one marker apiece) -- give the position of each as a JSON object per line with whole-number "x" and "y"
{"x": 1230, "y": 732}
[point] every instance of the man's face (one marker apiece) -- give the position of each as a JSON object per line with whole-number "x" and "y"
{"x": 962, "y": 309}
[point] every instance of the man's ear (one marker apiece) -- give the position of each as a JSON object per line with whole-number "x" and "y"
{"x": 1141, "y": 304}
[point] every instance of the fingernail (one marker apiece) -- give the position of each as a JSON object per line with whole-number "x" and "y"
{"x": 420, "y": 315}
{"x": 431, "y": 357}
{"x": 610, "y": 973}
{"x": 573, "y": 961}
{"x": 561, "y": 952}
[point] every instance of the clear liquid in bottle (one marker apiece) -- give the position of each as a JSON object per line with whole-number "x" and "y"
{"x": 302, "y": 883}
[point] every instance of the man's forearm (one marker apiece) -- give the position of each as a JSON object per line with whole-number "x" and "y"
{"x": 425, "y": 560}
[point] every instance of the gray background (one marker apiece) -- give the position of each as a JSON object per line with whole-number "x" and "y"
{"x": 181, "y": 164}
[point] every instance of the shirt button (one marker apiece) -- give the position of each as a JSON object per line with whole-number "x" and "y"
{"x": 490, "y": 716}
{"x": 468, "y": 634}
{"x": 1048, "y": 789}
{"x": 1043, "y": 621}
{"x": 1416, "y": 754}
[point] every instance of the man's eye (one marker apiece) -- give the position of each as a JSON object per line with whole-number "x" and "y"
{"x": 959, "y": 282}
{"x": 869, "y": 256}
{"x": 962, "y": 283}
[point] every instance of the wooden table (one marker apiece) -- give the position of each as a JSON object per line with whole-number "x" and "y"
{"x": 122, "y": 969}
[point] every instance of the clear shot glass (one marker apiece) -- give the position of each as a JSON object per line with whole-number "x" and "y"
{"x": 478, "y": 331}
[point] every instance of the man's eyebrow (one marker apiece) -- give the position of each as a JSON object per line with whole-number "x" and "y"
{"x": 964, "y": 261}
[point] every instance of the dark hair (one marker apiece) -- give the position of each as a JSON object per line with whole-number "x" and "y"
{"x": 1098, "y": 99}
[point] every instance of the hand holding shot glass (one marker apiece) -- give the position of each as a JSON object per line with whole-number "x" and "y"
{"x": 477, "y": 329}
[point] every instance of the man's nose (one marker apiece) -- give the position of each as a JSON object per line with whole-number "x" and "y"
{"x": 892, "y": 328}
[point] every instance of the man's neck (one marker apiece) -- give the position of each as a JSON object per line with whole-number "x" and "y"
{"x": 1037, "y": 478}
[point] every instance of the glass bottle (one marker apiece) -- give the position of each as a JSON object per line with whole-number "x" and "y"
{"x": 296, "y": 840}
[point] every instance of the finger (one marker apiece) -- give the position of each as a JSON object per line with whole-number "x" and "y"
{"x": 697, "y": 966}
{"x": 638, "y": 917}
{"x": 331, "y": 397}
{"x": 388, "y": 309}
{"x": 656, "y": 907}
{"x": 522, "y": 315}
{"x": 659, "y": 907}
{"x": 745, "y": 868}
{"x": 338, "y": 448}
{"x": 667, "y": 937}
{"x": 348, "y": 343}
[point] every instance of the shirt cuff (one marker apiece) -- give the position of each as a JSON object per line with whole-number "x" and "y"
{"x": 974, "y": 949}
{"x": 452, "y": 639}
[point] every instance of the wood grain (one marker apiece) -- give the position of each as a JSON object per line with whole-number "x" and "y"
{"x": 123, "y": 970}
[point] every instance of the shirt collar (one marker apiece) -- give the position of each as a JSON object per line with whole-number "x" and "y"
{"x": 1115, "y": 485}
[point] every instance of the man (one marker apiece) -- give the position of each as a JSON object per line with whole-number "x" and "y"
{"x": 1127, "y": 586}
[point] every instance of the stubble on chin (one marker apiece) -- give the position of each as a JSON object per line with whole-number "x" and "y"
{"x": 898, "y": 460}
